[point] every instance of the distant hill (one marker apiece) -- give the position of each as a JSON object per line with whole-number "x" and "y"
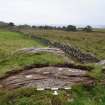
{"x": 3, "y": 23}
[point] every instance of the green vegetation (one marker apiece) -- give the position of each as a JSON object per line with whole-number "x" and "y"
{"x": 89, "y": 95}
{"x": 97, "y": 72}
{"x": 88, "y": 29}
{"x": 24, "y": 97}
{"x": 71, "y": 28}
{"x": 79, "y": 95}
{"x": 19, "y": 61}
{"x": 93, "y": 42}
{"x": 11, "y": 42}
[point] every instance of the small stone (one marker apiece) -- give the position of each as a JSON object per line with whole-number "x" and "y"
{"x": 54, "y": 88}
{"x": 45, "y": 72}
{"x": 28, "y": 76}
{"x": 70, "y": 70}
{"x": 40, "y": 89}
{"x": 55, "y": 93}
{"x": 70, "y": 100}
{"x": 60, "y": 69}
{"x": 67, "y": 88}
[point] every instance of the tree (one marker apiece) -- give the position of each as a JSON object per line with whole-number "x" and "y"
{"x": 71, "y": 28}
{"x": 11, "y": 24}
{"x": 34, "y": 26}
{"x": 88, "y": 29}
{"x": 63, "y": 28}
{"x": 24, "y": 26}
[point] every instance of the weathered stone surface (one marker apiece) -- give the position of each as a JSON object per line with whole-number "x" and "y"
{"x": 38, "y": 50}
{"x": 76, "y": 53}
{"x": 46, "y": 77}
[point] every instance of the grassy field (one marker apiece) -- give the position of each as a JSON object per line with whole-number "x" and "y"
{"x": 11, "y": 42}
{"x": 79, "y": 95}
{"x": 93, "y": 42}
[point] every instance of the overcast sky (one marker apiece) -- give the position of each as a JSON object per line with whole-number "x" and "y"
{"x": 57, "y": 12}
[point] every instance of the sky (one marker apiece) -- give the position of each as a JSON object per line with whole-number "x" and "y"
{"x": 53, "y": 12}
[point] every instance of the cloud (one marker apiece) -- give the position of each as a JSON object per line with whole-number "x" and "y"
{"x": 53, "y": 11}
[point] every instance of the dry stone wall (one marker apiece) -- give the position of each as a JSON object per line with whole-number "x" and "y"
{"x": 76, "y": 53}
{"x": 69, "y": 50}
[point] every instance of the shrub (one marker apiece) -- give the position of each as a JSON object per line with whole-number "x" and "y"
{"x": 88, "y": 29}
{"x": 71, "y": 28}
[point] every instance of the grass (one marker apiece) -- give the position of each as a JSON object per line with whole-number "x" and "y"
{"x": 24, "y": 97}
{"x": 80, "y": 95}
{"x": 21, "y": 60}
{"x": 89, "y": 95}
{"x": 93, "y": 42}
{"x": 29, "y": 96}
{"x": 12, "y": 41}
{"x": 97, "y": 72}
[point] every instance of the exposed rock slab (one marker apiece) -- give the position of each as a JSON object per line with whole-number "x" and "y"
{"x": 46, "y": 77}
{"x": 38, "y": 50}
